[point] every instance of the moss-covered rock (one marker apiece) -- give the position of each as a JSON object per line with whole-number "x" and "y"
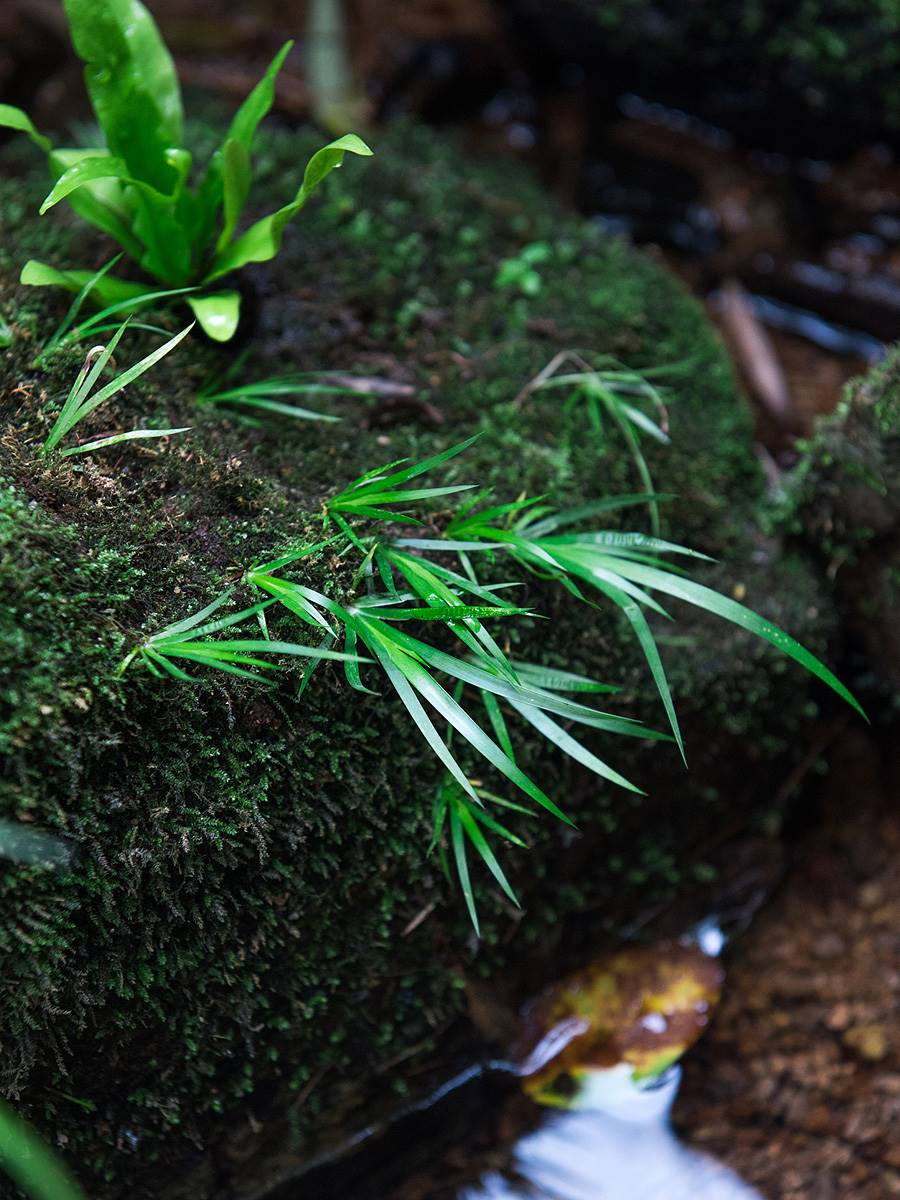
{"x": 236, "y": 940}
{"x": 844, "y": 499}
{"x": 815, "y": 77}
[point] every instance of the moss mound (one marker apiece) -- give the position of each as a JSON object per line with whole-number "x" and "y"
{"x": 844, "y": 501}
{"x": 229, "y": 943}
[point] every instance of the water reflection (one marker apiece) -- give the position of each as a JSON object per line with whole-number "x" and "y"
{"x": 618, "y": 1146}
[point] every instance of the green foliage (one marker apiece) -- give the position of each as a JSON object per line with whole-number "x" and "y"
{"x": 189, "y": 640}
{"x": 624, "y": 567}
{"x": 375, "y": 493}
{"x": 82, "y": 400}
{"x": 30, "y": 1163}
{"x": 243, "y": 804}
{"x": 72, "y": 330}
{"x": 519, "y": 273}
{"x": 470, "y": 823}
{"x": 615, "y": 391}
{"x": 136, "y": 187}
{"x": 263, "y": 397}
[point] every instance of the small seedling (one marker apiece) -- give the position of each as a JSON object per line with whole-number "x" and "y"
{"x": 519, "y": 273}
{"x": 82, "y": 400}
{"x": 613, "y": 391}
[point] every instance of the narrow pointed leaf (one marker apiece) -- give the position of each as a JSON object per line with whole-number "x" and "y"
{"x": 132, "y": 436}
{"x": 458, "y": 841}
{"x": 480, "y": 842}
{"x": 14, "y": 118}
{"x": 574, "y": 749}
{"x": 730, "y": 610}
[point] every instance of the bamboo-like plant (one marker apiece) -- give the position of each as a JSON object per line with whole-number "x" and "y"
{"x": 468, "y": 700}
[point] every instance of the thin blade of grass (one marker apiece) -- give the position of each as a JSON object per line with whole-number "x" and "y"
{"x": 71, "y": 411}
{"x": 557, "y": 736}
{"x": 161, "y": 661}
{"x": 131, "y": 305}
{"x": 730, "y": 610}
{"x": 289, "y": 595}
{"x": 133, "y": 435}
{"x": 480, "y": 842}
{"x": 75, "y": 307}
{"x": 469, "y": 729}
{"x": 396, "y": 674}
{"x": 275, "y": 406}
{"x": 498, "y": 724}
{"x": 458, "y": 842}
{"x": 586, "y": 511}
{"x": 555, "y": 680}
{"x": 134, "y": 372}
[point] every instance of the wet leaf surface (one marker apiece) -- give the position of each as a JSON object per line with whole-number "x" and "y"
{"x": 644, "y": 1006}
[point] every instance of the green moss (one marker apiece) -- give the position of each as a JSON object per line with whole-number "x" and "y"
{"x": 247, "y": 862}
{"x": 843, "y": 499}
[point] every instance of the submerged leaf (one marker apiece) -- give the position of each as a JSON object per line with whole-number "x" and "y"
{"x": 643, "y": 1006}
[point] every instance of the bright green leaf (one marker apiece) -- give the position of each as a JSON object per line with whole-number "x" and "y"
{"x": 262, "y": 241}
{"x": 132, "y": 83}
{"x": 14, "y": 118}
{"x": 217, "y": 313}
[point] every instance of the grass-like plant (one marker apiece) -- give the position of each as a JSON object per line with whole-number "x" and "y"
{"x": 104, "y": 320}
{"x": 470, "y": 823}
{"x": 463, "y": 693}
{"x": 137, "y": 188}
{"x": 625, "y": 568}
{"x": 82, "y": 399}
{"x": 256, "y": 398}
{"x": 376, "y": 494}
{"x": 192, "y": 641}
{"x": 606, "y": 390}
{"x": 30, "y": 1162}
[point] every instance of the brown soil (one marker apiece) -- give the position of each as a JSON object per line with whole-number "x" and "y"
{"x": 797, "y": 1084}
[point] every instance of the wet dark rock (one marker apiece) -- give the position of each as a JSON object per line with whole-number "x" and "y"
{"x": 241, "y": 954}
